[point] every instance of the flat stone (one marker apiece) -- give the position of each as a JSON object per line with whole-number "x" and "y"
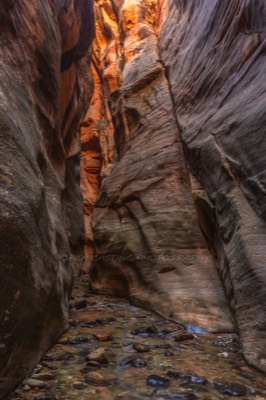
{"x": 63, "y": 340}
{"x": 35, "y": 383}
{"x": 45, "y": 376}
{"x": 182, "y": 335}
{"x": 103, "y": 335}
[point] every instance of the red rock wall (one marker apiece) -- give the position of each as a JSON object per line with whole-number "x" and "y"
{"x": 183, "y": 94}
{"x": 40, "y": 214}
{"x": 145, "y": 229}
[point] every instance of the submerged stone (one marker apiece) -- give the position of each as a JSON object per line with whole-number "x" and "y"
{"x": 141, "y": 348}
{"x": 183, "y": 336}
{"x": 158, "y": 381}
{"x": 232, "y": 389}
{"x": 95, "y": 378}
{"x": 132, "y": 361}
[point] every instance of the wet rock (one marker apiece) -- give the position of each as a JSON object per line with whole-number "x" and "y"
{"x": 38, "y": 368}
{"x": 61, "y": 357}
{"x": 232, "y": 389}
{"x": 182, "y": 335}
{"x": 99, "y": 322}
{"x": 187, "y": 378}
{"x": 103, "y": 335}
{"x": 145, "y": 331}
{"x": 78, "y": 340}
{"x": 157, "y": 381}
{"x": 171, "y": 334}
{"x": 63, "y": 340}
{"x": 73, "y": 323}
{"x": 141, "y": 348}
{"x": 161, "y": 346}
{"x": 35, "y": 383}
{"x": 48, "y": 365}
{"x": 45, "y": 376}
{"x": 86, "y": 369}
{"x": 98, "y": 355}
{"x": 94, "y": 364}
{"x": 96, "y": 379}
{"x": 79, "y": 385}
{"x": 178, "y": 396}
{"x": 196, "y": 379}
{"x": 132, "y": 361}
{"x": 80, "y": 304}
{"x": 168, "y": 354}
{"x": 45, "y": 398}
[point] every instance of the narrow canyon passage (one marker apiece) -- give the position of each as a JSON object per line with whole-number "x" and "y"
{"x": 139, "y": 211}
{"x": 116, "y": 351}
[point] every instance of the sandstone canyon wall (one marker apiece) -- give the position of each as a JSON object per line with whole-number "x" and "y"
{"x": 40, "y": 214}
{"x": 174, "y": 160}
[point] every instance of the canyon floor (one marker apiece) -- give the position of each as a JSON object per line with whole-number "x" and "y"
{"x": 115, "y": 351}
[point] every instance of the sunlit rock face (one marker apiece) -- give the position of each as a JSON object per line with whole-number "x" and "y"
{"x": 148, "y": 243}
{"x": 40, "y": 214}
{"x": 177, "y": 168}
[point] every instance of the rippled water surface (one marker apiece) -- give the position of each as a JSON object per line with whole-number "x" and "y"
{"x": 140, "y": 356}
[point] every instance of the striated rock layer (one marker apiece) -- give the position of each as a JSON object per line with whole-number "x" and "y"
{"x": 148, "y": 243}
{"x": 216, "y": 70}
{"x": 40, "y": 214}
{"x": 179, "y": 219}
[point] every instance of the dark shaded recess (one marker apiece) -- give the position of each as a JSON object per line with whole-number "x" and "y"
{"x": 133, "y": 118}
{"x": 253, "y": 17}
{"x": 207, "y": 222}
{"x": 116, "y": 278}
{"x": 107, "y": 32}
{"x": 70, "y": 199}
{"x": 6, "y": 20}
{"x": 92, "y": 144}
{"x": 46, "y": 74}
{"x": 75, "y": 93}
{"x": 52, "y": 139}
{"x": 86, "y": 36}
{"x": 116, "y": 106}
{"x": 143, "y": 83}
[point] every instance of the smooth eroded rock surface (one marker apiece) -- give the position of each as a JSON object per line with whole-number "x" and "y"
{"x": 182, "y": 98}
{"x": 148, "y": 243}
{"x": 40, "y": 213}
{"x": 214, "y": 56}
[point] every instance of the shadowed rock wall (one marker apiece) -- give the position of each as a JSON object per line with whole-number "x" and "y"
{"x": 214, "y": 55}
{"x": 40, "y": 213}
{"x": 184, "y": 195}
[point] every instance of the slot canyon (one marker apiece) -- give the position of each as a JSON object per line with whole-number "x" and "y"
{"x": 132, "y": 219}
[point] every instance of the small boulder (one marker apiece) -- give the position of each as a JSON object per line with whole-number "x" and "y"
{"x": 141, "y": 348}
{"x": 98, "y": 355}
{"x": 35, "y": 383}
{"x": 103, "y": 335}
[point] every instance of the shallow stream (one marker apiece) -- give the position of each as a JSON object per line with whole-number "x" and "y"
{"x": 139, "y": 356}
